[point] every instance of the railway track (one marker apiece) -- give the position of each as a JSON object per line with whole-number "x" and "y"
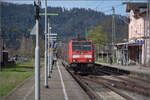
{"x": 115, "y": 71}
{"x": 109, "y": 86}
{"x": 85, "y": 87}
{"x": 128, "y": 86}
{"x": 126, "y": 77}
{"x": 127, "y": 82}
{"x": 119, "y": 82}
{"x": 84, "y": 83}
{"x": 115, "y": 86}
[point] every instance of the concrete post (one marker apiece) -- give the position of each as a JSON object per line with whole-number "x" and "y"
{"x": 37, "y": 64}
{"x": 48, "y": 47}
{"x": 113, "y": 32}
{"x": 45, "y": 65}
{"x": 148, "y": 61}
{"x": 51, "y": 42}
{"x": 37, "y": 52}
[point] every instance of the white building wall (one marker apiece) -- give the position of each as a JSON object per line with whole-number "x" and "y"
{"x": 148, "y": 53}
{"x": 138, "y": 29}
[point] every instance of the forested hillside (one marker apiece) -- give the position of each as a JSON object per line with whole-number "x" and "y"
{"x": 17, "y": 21}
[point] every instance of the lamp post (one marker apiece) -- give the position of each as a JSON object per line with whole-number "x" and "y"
{"x": 48, "y": 48}
{"x": 37, "y": 4}
{"x": 50, "y": 54}
{"x": 47, "y": 63}
{"x": 113, "y": 33}
{"x": 52, "y": 37}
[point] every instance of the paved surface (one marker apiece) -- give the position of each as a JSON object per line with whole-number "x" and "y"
{"x": 131, "y": 68}
{"x": 61, "y": 87}
{"x": 110, "y": 95}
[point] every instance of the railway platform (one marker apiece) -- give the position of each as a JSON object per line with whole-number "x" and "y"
{"x": 61, "y": 87}
{"x": 131, "y": 68}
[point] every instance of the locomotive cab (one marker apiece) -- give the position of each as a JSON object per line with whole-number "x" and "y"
{"x": 81, "y": 55}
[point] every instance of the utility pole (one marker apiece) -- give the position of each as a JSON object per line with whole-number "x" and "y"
{"x": 149, "y": 28}
{"x": 37, "y": 4}
{"x": 52, "y": 38}
{"x": 48, "y": 47}
{"x": 50, "y": 59}
{"x": 45, "y": 65}
{"x": 113, "y": 31}
{"x": 46, "y": 43}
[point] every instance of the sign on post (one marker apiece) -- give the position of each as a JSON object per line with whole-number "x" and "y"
{"x": 33, "y": 31}
{"x": 51, "y": 49}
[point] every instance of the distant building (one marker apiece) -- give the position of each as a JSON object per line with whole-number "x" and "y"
{"x": 138, "y": 43}
{"x": 139, "y": 31}
{"x": 137, "y": 48}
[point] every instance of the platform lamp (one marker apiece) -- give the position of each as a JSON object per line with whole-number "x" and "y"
{"x": 37, "y": 4}
{"x": 47, "y": 43}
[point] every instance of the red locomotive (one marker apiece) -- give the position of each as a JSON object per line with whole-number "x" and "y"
{"x": 81, "y": 55}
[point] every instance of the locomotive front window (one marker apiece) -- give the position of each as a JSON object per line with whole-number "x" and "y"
{"x": 81, "y": 43}
{"x": 81, "y": 46}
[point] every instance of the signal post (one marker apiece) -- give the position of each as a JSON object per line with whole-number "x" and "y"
{"x": 37, "y": 4}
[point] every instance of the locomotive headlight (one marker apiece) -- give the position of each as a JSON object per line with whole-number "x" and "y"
{"x": 88, "y": 56}
{"x": 74, "y": 60}
{"x": 75, "y": 56}
{"x": 90, "y": 60}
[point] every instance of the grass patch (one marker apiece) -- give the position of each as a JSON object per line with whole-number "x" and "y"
{"x": 13, "y": 75}
{"x": 10, "y": 80}
{"x": 103, "y": 61}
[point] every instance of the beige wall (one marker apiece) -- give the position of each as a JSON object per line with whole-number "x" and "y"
{"x": 138, "y": 29}
{"x": 136, "y": 26}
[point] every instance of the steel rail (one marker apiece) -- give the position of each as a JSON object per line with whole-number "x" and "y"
{"x": 128, "y": 86}
{"x": 128, "y": 82}
{"x": 137, "y": 78}
{"x": 84, "y": 86}
{"x": 133, "y": 83}
{"x": 109, "y": 87}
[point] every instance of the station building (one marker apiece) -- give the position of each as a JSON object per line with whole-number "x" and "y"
{"x": 136, "y": 50}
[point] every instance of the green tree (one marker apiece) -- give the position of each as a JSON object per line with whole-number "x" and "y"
{"x": 97, "y": 35}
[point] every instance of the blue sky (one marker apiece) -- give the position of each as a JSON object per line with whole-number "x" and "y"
{"x": 99, "y": 5}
